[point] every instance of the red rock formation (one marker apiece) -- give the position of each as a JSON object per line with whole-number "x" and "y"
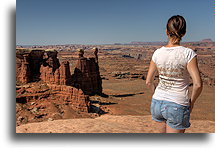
{"x": 41, "y": 102}
{"x": 65, "y": 75}
{"x": 86, "y": 74}
{"x": 35, "y": 61}
{"x": 72, "y": 96}
{"x": 49, "y": 70}
{"x": 28, "y": 65}
{"x": 22, "y": 69}
{"x": 44, "y": 65}
{"x": 49, "y": 82}
{"x": 69, "y": 95}
{"x": 60, "y": 76}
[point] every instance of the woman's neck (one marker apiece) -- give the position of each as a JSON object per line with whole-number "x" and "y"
{"x": 170, "y": 44}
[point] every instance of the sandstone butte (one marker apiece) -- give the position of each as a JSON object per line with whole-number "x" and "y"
{"x": 41, "y": 76}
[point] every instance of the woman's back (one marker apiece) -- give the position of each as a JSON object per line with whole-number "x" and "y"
{"x": 170, "y": 106}
{"x": 171, "y": 63}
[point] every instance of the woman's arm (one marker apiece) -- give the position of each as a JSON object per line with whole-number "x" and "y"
{"x": 193, "y": 69}
{"x": 151, "y": 76}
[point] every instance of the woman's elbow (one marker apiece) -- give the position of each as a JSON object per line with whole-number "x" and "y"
{"x": 198, "y": 85}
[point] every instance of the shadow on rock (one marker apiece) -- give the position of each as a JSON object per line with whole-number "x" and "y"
{"x": 97, "y": 109}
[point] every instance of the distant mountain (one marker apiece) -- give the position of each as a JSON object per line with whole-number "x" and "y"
{"x": 147, "y": 43}
{"x": 206, "y": 40}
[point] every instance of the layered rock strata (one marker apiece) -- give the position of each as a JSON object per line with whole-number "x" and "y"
{"x": 73, "y": 97}
{"x": 36, "y": 65}
{"x": 41, "y": 78}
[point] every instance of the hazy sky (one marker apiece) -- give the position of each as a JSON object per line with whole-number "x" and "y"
{"x": 42, "y": 22}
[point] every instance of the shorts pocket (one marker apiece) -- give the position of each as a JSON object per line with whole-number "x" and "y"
{"x": 175, "y": 115}
{"x": 179, "y": 116}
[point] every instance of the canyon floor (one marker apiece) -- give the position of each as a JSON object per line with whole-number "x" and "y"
{"x": 126, "y": 110}
{"x": 125, "y": 107}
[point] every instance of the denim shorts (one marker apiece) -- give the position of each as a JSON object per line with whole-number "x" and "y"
{"x": 175, "y": 115}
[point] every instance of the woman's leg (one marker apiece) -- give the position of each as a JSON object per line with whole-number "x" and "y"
{"x": 160, "y": 126}
{"x": 172, "y": 130}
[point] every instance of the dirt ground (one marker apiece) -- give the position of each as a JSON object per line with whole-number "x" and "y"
{"x": 108, "y": 124}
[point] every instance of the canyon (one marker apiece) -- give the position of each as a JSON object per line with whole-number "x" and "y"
{"x": 69, "y": 82}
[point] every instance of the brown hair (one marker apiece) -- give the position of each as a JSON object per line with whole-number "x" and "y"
{"x": 176, "y": 28}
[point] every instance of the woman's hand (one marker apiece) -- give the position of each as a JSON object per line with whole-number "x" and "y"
{"x": 151, "y": 75}
{"x": 191, "y": 105}
{"x": 151, "y": 86}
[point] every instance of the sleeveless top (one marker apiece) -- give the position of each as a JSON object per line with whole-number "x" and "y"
{"x": 172, "y": 63}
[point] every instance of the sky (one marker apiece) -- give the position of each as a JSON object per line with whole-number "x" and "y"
{"x": 51, "y": 22}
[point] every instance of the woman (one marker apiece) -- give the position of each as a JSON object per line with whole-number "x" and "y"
{"x": 171, "y": 106}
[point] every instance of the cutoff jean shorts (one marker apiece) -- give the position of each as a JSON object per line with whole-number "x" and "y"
{"x": 175, "y": 115}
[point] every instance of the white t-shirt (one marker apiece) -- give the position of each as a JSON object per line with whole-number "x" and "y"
{"x": 171, "y": 63}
